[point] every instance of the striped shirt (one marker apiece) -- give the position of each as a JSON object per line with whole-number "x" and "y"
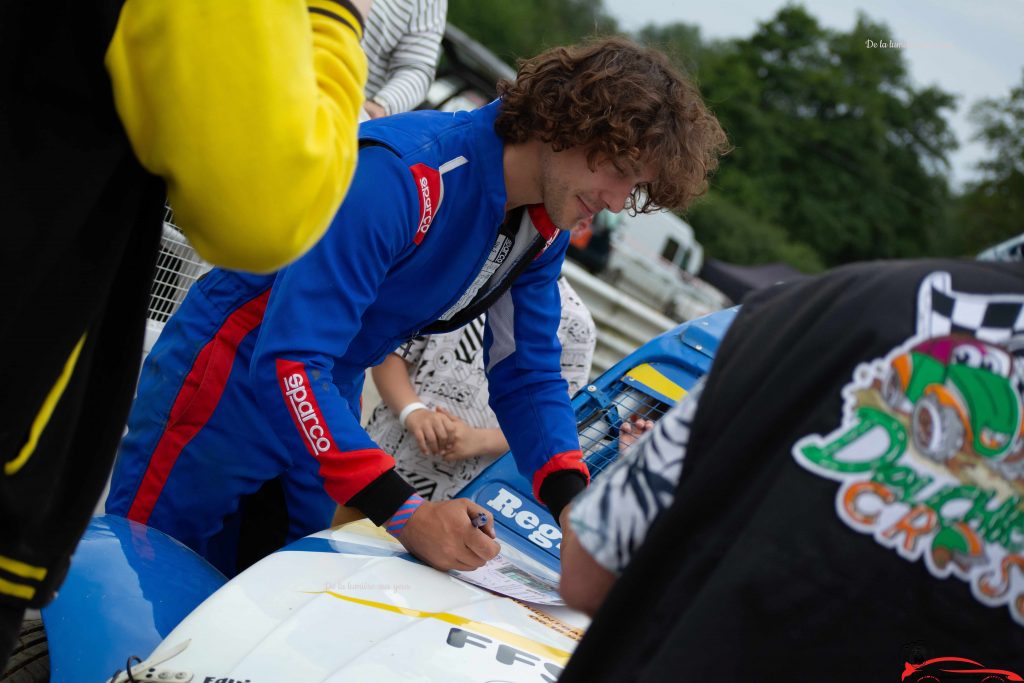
{"x": 611, "y": 518}
{"x": 402, "y": 41}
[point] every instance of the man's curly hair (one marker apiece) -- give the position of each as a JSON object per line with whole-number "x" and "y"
{"x": 624, "y": 103}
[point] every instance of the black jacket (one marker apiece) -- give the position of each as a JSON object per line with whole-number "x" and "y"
{"x": 81, "y": 224}
{"x": 758, "y": 571}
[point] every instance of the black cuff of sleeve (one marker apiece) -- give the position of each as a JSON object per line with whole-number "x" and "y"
{"x": 559, "y": 488}
{"x": 355, "y": 12}
{"x": 382, "y": 497}
{"x": 360, "y": 19}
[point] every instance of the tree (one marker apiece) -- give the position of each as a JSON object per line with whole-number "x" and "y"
{"x": 682, "y": 42}
{"x": 837, "y": 155}
{"x": 833, "y": 144}
{"x": 991, "y": 208}
{"x": 523, "y": 28}
{"x": 732, "y": 234}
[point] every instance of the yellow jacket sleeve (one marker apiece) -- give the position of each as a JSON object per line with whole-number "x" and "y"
{"x": 249, "y": 110}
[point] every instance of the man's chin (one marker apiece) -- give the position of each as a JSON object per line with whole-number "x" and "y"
{"x": 569, "y": 224}
{"x": 561, "y": 224}
{"x": 563, "y": 221}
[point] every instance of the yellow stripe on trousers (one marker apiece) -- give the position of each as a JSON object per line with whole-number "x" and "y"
{"x": 45, "y": 412}
{"x": 17, "y": 590}
{"x": 22, "y": 569}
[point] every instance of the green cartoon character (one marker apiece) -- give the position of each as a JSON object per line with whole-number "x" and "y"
{"x": 961, "y": 394}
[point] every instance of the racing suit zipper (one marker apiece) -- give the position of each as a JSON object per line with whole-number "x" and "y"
{"x": 509, "y": 228}
{"x": 479, "y": 306}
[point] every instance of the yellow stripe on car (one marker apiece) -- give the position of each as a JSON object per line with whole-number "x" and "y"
{"x": 523, "y": 643}
{"x": 647, "y": 375}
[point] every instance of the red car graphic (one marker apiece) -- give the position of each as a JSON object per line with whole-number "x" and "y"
{"x": 944, "y": 669}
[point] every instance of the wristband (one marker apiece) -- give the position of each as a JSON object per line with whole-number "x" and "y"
{"x": 403, "y": 514}
{"x": 409, "y": 409}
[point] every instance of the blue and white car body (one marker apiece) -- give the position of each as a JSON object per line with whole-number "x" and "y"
{"x": 349, "y": 603}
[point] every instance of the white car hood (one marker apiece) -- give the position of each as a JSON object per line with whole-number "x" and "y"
{"x": 350, "y": 604}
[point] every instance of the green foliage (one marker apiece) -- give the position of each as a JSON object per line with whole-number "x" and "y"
{"x": 523, "y": 28}
{"x": 1000, "y": 125}
{"x": 838, "y": 156}
{"x": 681, "y": 42}
{"x": 723, "y": 228}
{"x": 993, "y": 207}
{"x": 833, "y": 144}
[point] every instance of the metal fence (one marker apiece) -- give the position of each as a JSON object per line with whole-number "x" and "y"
{"x": 623, "y": 322}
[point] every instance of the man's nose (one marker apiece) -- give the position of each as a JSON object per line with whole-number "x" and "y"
{"x": 614, "y": 198}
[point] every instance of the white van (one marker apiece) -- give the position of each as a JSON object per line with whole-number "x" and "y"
{"x": 655, "y": 258}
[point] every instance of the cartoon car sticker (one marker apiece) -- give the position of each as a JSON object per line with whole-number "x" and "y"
{"x": 960, "y": 393}
{"x": 930, "y": 451}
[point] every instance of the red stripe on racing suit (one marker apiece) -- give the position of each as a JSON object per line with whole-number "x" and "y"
{"x": 198, "y": 397}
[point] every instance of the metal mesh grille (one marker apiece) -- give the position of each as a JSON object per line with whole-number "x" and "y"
{"x": 177, "y": 267}
{"x": 599, "y": 431}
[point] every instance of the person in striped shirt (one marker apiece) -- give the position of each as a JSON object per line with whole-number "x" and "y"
{"x": 402, "y": 42}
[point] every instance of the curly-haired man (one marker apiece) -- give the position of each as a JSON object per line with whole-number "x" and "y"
{"x": 257, "y": 378}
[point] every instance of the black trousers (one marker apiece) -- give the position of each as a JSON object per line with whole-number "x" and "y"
{"x": 70, "y": 408}
{"x": 10, "y": 626}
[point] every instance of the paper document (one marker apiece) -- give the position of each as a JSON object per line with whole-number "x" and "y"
{"x": 514, "y": 574}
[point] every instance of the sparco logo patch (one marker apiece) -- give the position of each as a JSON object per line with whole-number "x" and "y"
{"x": 930, "y": 452}
{"x": 428, "y": 188}
{"x": 303, "y": 407}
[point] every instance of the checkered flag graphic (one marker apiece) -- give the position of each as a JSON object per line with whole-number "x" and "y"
{"x": 992, "y": 318}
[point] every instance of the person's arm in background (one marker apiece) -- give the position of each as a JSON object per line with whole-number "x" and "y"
{"x": 608, "y": 522}
{"x": 470, "y": 442}
{"x": 437, "y": 432}
{"x": 584, "y": 582}
{"x": 431, "y": 429}
{"x": 248, "y": 115}
{"x": 412, "y": 64}
{"x": 578, "y": 336}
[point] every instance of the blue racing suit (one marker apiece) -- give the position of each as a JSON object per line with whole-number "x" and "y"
{"x": 259, "y": 377}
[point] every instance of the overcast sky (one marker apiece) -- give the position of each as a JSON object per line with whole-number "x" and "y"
{"x": 971, "y": 48}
